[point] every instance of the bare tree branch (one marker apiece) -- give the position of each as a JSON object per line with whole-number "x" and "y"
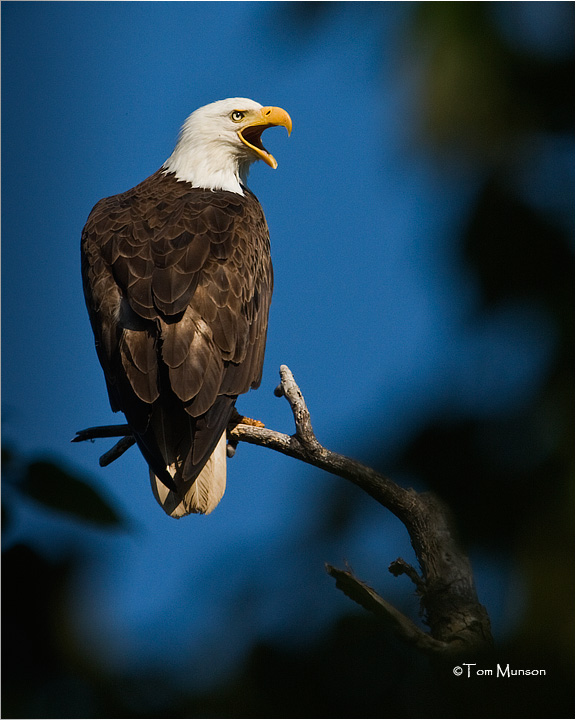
{"x": 102, "y": 431}
{"x": 456, "y": 618}
{"x": 370, "y": 600}
{"x": 458, "y": 622}
{"x": 401, "y": 567}
{"x": 119, "y": 449}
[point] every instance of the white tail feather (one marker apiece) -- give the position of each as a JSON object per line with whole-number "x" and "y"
{"x": 200, "y": 496}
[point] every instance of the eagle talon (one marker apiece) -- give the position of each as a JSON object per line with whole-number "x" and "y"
{"x": 250, "y": 421}
{"x": 237, "y": 419}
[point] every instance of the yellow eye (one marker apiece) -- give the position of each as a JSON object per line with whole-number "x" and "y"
{"x": 237, "y": 115}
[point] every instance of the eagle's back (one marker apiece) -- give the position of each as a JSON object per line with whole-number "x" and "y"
{"x": 178, "y": 282}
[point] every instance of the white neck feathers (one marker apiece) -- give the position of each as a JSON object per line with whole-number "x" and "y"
{"x": 208, "y": 159}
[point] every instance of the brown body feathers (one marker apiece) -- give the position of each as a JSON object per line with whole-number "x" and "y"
{"x": 178, "y": 283}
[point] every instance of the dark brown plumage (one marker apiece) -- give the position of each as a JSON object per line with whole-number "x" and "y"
{"x": 178, "y": 283}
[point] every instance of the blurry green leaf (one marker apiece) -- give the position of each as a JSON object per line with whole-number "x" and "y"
{"x": 55, "y": 488}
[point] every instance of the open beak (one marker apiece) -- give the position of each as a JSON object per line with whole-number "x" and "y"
{"x": 251, "y": 133}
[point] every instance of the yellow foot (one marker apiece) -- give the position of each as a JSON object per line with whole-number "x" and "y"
{"x": 242, "y": 420}
{"x": 238, "y": 419}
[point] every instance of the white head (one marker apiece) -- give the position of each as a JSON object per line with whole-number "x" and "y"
{"x": 219, "y": 142}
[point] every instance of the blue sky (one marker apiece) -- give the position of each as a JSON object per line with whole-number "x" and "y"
{"x": 371, "y": 307}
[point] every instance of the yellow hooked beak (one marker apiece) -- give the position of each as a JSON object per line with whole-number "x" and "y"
{"x": 257, "y": 122}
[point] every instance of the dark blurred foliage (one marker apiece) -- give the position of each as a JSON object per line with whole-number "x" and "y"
{"x": 509, "y": 478}
{"x": 41, "y": 675}
{"x": 480, "y": 92}
{"x": 486, "y": 101}
{"x": 44, "y": 482}
{"x": 358, "y": 670}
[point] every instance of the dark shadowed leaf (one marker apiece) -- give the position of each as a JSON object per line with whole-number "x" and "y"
{"x": 55, "y": 488}
{"x": 6, "y": 518}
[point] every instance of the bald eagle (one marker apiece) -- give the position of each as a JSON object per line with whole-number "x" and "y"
{"x": 178, "y": 280}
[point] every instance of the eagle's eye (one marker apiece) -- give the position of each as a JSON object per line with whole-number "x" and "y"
{"x": 237, "y": 115}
